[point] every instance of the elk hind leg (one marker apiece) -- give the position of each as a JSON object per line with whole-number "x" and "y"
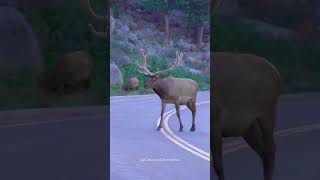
{"x": 267, "y": 128}
{"x": 255, "y": 137}
{"x": 192, "y": 106}
{"x": 178, "y": 114}
{"x": 216, "y": 151}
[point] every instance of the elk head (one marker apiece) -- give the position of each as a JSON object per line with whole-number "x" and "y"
{"x": 154, "y": 77}
{"x": 97, "y": 18}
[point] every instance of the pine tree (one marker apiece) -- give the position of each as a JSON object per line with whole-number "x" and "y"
{"x": 164, "y": 7}
{"x": 199, "y": 13}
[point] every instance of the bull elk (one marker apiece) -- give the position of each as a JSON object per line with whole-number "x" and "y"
{"x": 245, "y": 94}
{"x": 99, "y": 19}
{"x": 177, "y": 91}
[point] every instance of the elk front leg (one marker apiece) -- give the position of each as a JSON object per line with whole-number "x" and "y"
{"x": 163, "y": 108}
{"x": 178, "y": 114}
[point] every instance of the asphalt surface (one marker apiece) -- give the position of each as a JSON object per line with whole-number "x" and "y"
{"x": 297, "y": 140}
{"x": 54, "y": 144}
{"x": 72, "y": 144}
{"x": 139, "y": 152}
{"x": 133, "y": 136}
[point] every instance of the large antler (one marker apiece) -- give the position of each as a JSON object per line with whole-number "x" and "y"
{"x": 178, "y": 57}
{"x": 98, "y": 18}
{"x": 145, "y": 70}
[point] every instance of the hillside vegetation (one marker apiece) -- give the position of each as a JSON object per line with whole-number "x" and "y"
{"x": 60, "y": 30}
{"x": 297, "y": 60}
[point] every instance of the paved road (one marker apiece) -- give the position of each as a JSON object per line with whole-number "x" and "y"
{"x": 140, "y": 152}
{"x": 297, "y": 139}
{"x": 54, "y": 144}
{"x": 71, "y": 144}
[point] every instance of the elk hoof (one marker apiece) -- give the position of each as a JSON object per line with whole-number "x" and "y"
{"x": 159, "y": 128}
{"x": 181, "y": 129}
{"x": 193, "y": 128}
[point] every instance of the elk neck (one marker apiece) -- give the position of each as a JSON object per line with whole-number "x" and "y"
{"x": 159, "y": 90}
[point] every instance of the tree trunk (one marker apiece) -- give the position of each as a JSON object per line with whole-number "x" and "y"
{"x": 199, "y": 34}
{"x": 123, "y": 5}
{"x": 167, "y": 30}
{"x": 189, "y": 32}
{"x": 111, "y": 11}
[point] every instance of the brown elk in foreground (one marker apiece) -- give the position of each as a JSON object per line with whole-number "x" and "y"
{"x": 177, "y": 91}
{"x": 245, "y": 92}
{"x": 132, "y": 84}
{"x": 97, "y": 18}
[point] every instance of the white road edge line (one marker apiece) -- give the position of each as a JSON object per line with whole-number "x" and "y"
{"x": 121, "y": 100}
{"x": 167, "y": 132}
{"x": 140, "y": 97}
{"x": 167, "y": 128}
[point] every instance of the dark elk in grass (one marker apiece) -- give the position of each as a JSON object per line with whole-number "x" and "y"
{"x": 132, "y": 84}
{"x": 245, "y": 92}
{"x": 177, "y": 91}
{"x": 72, "y": 73}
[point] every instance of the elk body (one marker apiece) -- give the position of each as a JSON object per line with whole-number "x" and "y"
{"x": 245, "y": 90}
{"x": 132, "y": 84}
{"x": 177, "y": 91}
{"x": 72, "y": 72}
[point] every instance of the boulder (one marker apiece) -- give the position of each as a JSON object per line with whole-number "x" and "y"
{"x": 193, "y": 71}
{"x": 112, "y": 24}
{"x": 19, "y": 49}
{"x": 132, "y": 38}
{"x": 122, "y": 60}
{"x": 184, "y": 45}
{"x": 133, "y": 26}
{"x": 206, "y": 57}
{"x": 194, "y": 58}
{"x": 116, "y": 77}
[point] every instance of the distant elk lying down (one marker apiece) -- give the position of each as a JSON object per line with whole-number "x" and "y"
{"x": 71, "y": 73}
{"x": 177, "y": 91}
{"x": 245, "y": 93}
{"x": 132, "y": 84}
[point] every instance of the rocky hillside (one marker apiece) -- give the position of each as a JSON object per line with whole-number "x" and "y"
{"x": 137, "y": 30}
